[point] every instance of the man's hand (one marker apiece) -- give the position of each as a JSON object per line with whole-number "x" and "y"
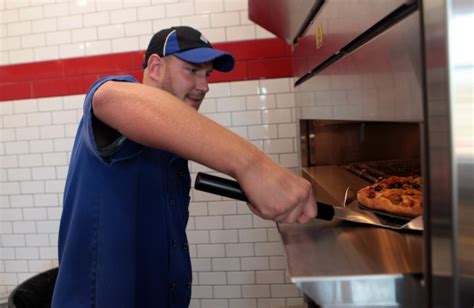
{"x": 277, "y": 194}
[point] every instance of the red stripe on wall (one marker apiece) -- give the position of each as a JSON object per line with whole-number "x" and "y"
{"x": 255, "y": 59}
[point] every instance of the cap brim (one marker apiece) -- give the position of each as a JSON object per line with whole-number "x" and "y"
{"x": 221, "y": 61}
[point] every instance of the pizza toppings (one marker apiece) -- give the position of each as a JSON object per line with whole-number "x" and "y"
{"x": 396, "y": 198}
{"x": 371, "y": 194}
{"x": 395, "y": 195}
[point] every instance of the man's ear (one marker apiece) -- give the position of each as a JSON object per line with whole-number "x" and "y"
{"x": 154, "y": 65}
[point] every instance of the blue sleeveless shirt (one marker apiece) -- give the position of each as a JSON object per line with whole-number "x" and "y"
{"x": 122, "y": 237}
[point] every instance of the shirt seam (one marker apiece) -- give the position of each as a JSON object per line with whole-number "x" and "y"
{"x": 95, "y": 237}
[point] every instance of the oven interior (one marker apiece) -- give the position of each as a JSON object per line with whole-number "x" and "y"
{"x": 337, "y": 154}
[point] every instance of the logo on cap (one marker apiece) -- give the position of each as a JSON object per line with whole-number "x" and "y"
{"x": 202, "y": 38}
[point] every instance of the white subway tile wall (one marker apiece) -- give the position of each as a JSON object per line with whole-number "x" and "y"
{"x": 38, "y": 30}
{"x": 238, "y": 259}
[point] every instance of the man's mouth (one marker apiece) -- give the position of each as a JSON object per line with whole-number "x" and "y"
{"x": 195, "y": 101}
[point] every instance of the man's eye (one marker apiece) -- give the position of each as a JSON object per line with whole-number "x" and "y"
{"x": 192, "y": 70}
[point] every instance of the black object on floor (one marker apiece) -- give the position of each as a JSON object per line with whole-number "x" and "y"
{"x": 35, "y": 292}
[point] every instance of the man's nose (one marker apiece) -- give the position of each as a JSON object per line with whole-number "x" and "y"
{"x": 202, "y": 84}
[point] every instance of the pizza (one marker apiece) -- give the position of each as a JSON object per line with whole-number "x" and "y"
{"x": 397, "y": 195}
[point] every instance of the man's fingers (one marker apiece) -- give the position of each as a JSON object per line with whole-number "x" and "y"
{"x": 304, "y": 219}
{"x": 293, "y": 215}
{"x": 310, "y": 210}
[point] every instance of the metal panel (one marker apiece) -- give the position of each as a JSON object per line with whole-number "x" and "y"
{"x": 375, "y": 291}
{"x": 284, "y": 18}
{"x": 337, "y": 24}
{"x": 380, "y": 81}
{"x": 450, "y": 142}
{"x": 345, "y": 265}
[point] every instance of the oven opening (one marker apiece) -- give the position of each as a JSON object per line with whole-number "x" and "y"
{"x": 339, "y": 154}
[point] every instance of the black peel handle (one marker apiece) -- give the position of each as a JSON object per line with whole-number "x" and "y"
{"x": 219, "y": 186}
{"x": 325, "y": 211}
{"x": 231, "y": 189}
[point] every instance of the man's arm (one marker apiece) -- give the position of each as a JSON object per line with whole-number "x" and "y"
{"x": 157, "y": 119}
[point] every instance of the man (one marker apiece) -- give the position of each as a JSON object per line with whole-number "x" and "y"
{"x": 122, "y": 240}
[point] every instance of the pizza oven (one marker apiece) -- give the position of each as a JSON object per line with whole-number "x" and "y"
{"x": 380, "y": 91}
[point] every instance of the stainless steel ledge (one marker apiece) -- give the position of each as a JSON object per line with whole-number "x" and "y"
{"x": 349, "y": 265}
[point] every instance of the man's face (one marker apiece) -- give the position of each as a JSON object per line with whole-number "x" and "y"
{"x": 187, "y": 81}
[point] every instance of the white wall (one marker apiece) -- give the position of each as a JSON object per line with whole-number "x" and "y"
{"x": 36, "y": 30}
{"x": 238, "y": 259}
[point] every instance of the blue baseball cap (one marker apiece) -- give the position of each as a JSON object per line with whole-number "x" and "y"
{"x": 189, "y": 45}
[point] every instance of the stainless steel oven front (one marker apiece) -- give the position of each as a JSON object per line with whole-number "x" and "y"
{"x": 381, "y": 84}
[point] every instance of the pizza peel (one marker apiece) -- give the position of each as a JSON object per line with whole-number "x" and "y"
{"x": 349, "y": 211}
